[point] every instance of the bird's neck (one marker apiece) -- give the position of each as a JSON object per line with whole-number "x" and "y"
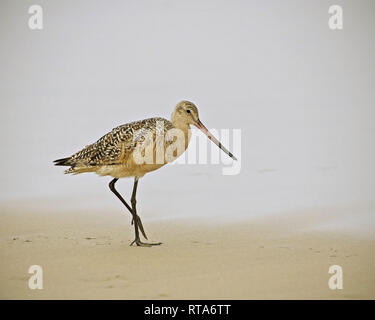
{"x": 184, "y": 127}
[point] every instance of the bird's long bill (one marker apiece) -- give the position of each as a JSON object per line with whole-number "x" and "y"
{"x": 201, "y": 127}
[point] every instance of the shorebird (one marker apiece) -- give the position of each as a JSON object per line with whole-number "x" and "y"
{"x": 117, "y": 153}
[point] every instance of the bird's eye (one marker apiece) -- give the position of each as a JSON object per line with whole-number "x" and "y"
{"x": 187, "y": 111}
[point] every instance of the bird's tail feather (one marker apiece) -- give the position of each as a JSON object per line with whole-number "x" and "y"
{"x": 62, "y": 162}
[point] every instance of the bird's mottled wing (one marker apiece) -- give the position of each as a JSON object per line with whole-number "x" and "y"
{"x": 116, "y": 145}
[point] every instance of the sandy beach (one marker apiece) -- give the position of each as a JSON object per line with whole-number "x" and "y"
{"x": 287, "y": 89}
{"x": 86, "y": 255}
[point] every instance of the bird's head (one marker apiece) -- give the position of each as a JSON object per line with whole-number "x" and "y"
{"x": 186, "y": 113}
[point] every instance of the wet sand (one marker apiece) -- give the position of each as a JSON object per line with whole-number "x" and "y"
{"x": 86, "y": 255}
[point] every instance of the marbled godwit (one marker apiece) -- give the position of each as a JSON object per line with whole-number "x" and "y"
{"x": 113, "y": 154}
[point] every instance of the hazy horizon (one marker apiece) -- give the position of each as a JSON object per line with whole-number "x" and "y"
{"x": 300, "y": 93}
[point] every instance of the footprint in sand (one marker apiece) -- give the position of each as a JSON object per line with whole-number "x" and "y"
{"x": 198, "y": 242}
{"x": 117, "y": 281}
{"x": 101, "y": 240}
{"x": 116, "y": 277}
{"x": 18, "y": 238}
{"x": 102, "y": 243}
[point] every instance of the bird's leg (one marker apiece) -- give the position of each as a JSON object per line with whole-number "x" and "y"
{"x": 137, "y": 220}
{"x": 134, "y": 208}
{"x": 134, "y": 214}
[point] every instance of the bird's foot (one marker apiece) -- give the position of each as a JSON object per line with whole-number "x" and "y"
{"x": 139, "y": 243}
